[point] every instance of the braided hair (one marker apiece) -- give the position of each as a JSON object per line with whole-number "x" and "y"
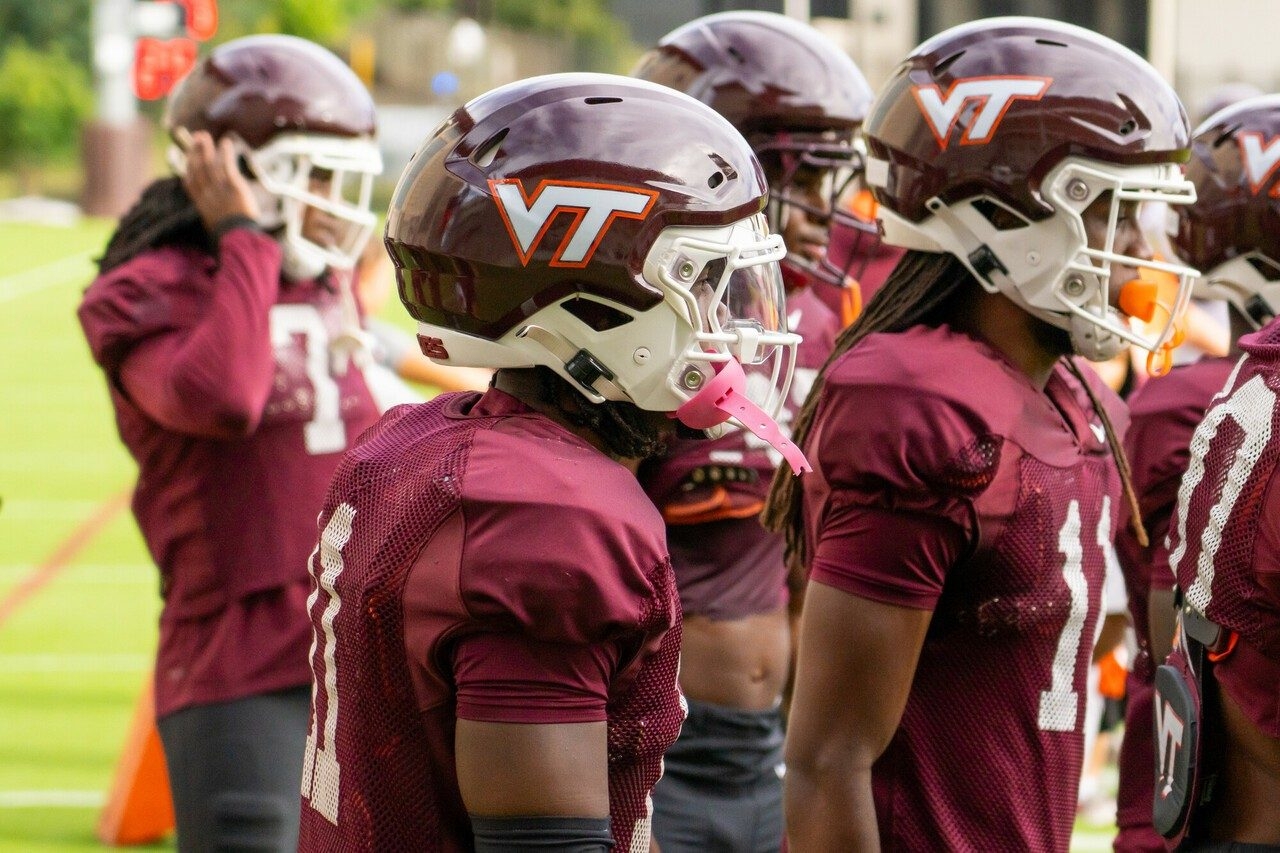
{"x": 162, "y": 216}
{"x": 924, "y": 289}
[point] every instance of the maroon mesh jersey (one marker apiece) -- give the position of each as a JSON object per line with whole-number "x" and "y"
{"x": 473, "y": 518}
{"x": 1224, "y": 538}
{"x": 1163, "y": 414}
{"x": 945, "y": 480}
{"x": 236, "y": 413}
{"x": 711, "y": 493}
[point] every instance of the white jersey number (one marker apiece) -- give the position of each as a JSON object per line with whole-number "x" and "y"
{"x": 1058, "y": 704}
{"x": 320, "y": 771}
{"x": 1251, "y": 407}
{"x": 325, "y": 432}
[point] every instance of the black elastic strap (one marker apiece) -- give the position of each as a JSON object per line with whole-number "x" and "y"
{"x": 234, "y": 221}
{"x": 559, "y": 834}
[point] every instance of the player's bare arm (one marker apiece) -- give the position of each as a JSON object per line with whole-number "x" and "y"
{"x": 856, "y": 663}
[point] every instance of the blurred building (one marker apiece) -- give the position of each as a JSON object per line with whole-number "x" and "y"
{"x": 1198, "y": 46}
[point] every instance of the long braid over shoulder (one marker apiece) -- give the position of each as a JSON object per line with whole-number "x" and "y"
{"x": 162, "y": 216}
{"x": 919, "y": 291}
{"x": 1117, "y": 452}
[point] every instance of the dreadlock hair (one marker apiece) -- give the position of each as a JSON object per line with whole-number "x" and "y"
{"x": 163, "y": 216}
{"x": 921, "y": 291}
{"x": 627, "y": 431}
{"x": 1117, "y": 453}
{"x": 915, "y": 293}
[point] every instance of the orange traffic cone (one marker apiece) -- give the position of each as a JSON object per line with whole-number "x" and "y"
{"x": 139, "y": 809}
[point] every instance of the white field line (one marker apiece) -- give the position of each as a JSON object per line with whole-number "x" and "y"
{"x": 48, "y": 663}
{"x": 51, "y": 799}
{"x": 89, "y": 575}
{"x": 53, "y": 274}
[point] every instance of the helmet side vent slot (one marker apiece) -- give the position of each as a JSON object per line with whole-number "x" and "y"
{"x": 1000, "y": 217}
{"x": 1228, "y": 135}
{"x": 488, "y": 150}
{"x": 1265, "y": 268}
{"x": 597, "y": 315}
{"x": 941, "y": 67}
{"x": 603, "y": 100}
{"x": 726, "y": 170}
{"x": 1050, "y": 42}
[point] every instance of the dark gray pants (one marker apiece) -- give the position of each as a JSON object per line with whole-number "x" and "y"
{"x": 721, "y": 788}
{"x": 235, "y": 769}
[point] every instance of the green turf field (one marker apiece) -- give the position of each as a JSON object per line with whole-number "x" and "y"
{"x": 78, "y": 598}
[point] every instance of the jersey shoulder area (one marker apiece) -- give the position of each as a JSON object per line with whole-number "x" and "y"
{"x": 1190, "y": 387}
{"x": 1264, "y": 343}
{"x": 148, "y": 294}
{"x": 925, "y": 412}
{"x": 558, "y": 540}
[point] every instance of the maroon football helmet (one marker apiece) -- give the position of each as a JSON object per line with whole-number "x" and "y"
{"x": 992, "y": 138}
{"x": 1232, "y": 232}
{"x": 560, "y": 221}
{"x": 297, "y": 113}
{"x": 795, "y": 96}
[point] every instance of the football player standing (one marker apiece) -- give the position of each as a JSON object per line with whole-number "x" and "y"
{"x": 1231, "y": 234}
{"x": 798, "y": 99}
{"x": 1224, "y": 545}
{"x": 223, "y": 320}
{"x": 967, "y": 476}
{"x": 497, "y": 628}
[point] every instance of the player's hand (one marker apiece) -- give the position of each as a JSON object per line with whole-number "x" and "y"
{"x": 214, "y": 182}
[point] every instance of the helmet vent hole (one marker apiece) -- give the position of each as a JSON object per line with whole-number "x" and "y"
{"x": 727, "y": 171}
{"x": 1227, "y": 135}
{"x": 941, "y": 67}
{"x": 736, "y": 54}
{"x": 597, "y": 315}
{"x": 1128, "y": 127}
{"x": 715, "y": 180}
{"x": 1000, "y": 217}
{"x": 1265, "y": 267}
{"x": 488, "y": 150}
{"x": 603, "y": 100}
{"x": 1050, "y": 42}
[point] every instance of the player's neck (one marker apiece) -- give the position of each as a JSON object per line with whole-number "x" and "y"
{"x": 1009, "y": 329}
{"x": 527, "y": 387}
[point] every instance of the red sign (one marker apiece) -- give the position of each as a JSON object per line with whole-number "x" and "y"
{"x": 202, "y": 18}
{"x": 158, "y": 65}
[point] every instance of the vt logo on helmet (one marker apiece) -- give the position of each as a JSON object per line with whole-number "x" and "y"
{"x": 993, "y": 95}
{"x": 1260, "y": 159}
{"x": 592, "y": 206}
{"x": 1053, "y": 119}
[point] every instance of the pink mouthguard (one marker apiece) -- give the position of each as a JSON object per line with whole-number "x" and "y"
{"x": 725, "y": 397}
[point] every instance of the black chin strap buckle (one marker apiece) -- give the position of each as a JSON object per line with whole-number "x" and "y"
{"x": 984, "y": 262}
{"x": 586, "y": 369}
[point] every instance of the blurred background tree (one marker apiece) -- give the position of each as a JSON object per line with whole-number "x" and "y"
{"x": 44, "y": 100}
{"x": 47, "y": 89}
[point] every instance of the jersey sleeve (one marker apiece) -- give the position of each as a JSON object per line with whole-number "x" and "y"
{"x": 512, "y": 678}
{"x": 191, "y": 347}
{"x": 900, "y": 467}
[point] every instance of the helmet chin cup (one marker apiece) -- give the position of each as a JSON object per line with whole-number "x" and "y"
{"x": 1093, "y": 341}
{"x": 298, "y": 264}
{"x": 725, "y": 397}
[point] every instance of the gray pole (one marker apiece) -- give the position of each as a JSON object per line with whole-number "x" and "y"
{"x": 113, "y": 44}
